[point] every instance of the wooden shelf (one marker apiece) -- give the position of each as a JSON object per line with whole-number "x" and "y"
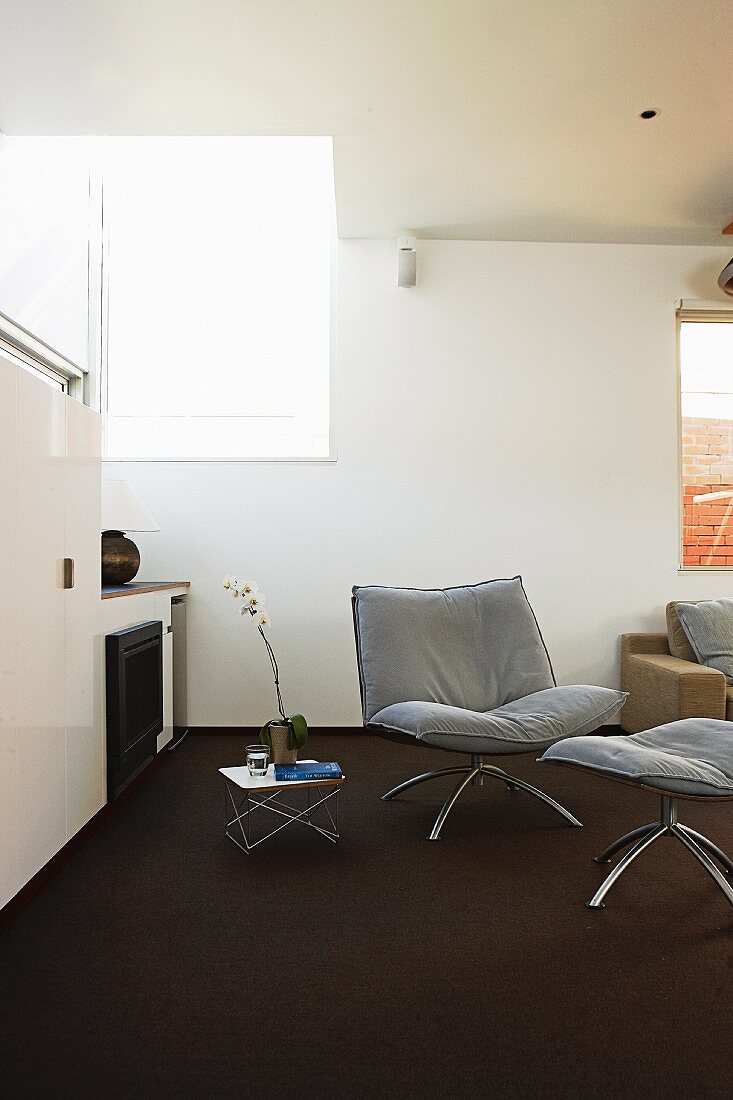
{"x": 134, "y": 588}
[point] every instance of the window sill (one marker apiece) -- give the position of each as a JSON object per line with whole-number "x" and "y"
{"x": 324, "y": 461}
{"x": 704, "y": 569}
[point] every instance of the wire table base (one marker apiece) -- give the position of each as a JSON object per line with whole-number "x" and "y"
{"x": 241, "y": 805}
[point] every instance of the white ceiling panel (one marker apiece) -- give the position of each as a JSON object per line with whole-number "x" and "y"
{"x": 479, "y": 119}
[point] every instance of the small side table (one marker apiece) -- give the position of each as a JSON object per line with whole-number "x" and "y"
{"x": 245, "y": 793}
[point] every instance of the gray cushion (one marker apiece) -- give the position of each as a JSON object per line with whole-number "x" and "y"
{"x": 709, "y": 626}
{"x": 694, "y": 756}
{"x": 474, "y": 647}
{"x": 533, "y": 722}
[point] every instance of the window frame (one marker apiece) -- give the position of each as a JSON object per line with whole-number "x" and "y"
{"x": 34, "y": 355}
{"x": 697, "y": 312}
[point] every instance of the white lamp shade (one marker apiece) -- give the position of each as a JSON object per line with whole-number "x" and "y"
{"x": 122, "y": 509}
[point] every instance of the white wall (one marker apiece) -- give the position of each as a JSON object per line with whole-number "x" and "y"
{"x": 515, "y": 413}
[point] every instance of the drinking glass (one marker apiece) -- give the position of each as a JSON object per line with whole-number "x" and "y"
{"x": 257, "y": 759}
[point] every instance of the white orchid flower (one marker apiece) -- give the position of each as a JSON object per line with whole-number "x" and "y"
{"x": 227, "y": 581}
{"x": 247, "y": 589}
{"x": 245, "y": 610}
{"x": 264, "y": 620}
{"x": 256, "y": 602}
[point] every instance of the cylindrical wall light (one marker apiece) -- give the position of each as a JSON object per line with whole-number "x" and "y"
{"x": 406, "y": 259}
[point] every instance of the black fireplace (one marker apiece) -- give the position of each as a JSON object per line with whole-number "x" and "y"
{"x": 134, "y": 701}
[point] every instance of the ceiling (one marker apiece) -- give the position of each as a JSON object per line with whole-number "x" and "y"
{"x": 472, "y": 119}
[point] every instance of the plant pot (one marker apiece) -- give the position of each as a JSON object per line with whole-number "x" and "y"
{"x": 281, "y": 754}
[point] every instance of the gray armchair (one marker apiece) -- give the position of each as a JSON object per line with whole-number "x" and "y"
{"x": 466, "y": 670}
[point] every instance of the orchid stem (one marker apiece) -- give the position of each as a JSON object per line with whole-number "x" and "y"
{"x": 276, "y": 673}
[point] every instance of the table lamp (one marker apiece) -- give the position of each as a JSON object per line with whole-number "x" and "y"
{"x": 122, "y": 510}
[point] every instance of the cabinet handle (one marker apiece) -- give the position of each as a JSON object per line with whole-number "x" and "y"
{"x": 68, "y": 572}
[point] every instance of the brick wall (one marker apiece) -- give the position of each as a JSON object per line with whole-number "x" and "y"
{"x": 707, "y": 467}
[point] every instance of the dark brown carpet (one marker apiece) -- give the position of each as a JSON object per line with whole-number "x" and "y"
{"x": 163, "y": 962}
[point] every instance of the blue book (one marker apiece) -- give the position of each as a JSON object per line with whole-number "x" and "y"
{"x": 304, "y": 773}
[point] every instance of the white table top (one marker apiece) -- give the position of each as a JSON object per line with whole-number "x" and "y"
{"x": 240, "y": 775}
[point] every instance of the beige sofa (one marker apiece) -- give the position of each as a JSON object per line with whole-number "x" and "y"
{"x": 665, "y": 682}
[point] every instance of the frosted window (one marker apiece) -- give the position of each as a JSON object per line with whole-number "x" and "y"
{"x": 218, "y": 271}
{"x": 44, "y": 239}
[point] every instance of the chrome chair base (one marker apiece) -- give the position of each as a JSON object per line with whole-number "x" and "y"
{"x": 474, "y": 773}
{"x": 698, "y": 845}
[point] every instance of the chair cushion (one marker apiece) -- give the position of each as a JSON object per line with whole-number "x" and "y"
{"x": 692, "y": 757}
{"x": 679, "y": 643}
{"x": 709, "y": 627}
{"x": 475, "y": 647}
{"x": 530, "y": 723}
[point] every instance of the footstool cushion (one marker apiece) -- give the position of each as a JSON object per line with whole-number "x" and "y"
{"x": 693, "y": 757}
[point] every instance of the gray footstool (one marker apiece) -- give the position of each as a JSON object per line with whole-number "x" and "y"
{"x": 690, "y": 760}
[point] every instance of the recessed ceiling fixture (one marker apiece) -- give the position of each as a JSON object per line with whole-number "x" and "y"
{"x": 651, "y": 112}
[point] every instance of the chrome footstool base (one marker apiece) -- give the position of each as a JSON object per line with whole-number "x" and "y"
{"x": 698, "y": 845}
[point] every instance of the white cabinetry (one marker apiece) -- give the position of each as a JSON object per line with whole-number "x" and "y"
{"x": 86, "y": 780}
{"x": 51, "y": 733}
{"x": 167, "y": 734}
{"x": 9, "y": 875}
{"x": 40, "y": 633}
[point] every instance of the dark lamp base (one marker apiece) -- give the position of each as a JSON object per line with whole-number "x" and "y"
{"x": 120, "y": 558}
